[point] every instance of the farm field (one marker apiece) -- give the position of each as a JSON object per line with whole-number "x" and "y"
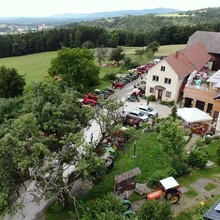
{"x": 35, "y": 66}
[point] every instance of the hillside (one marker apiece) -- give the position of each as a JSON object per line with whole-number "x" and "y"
{"x": 155, "y": 22}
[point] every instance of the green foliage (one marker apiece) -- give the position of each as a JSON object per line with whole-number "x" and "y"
{"x": 155, "y": 210}
{"x": 174, "y": 113}
{"x": 181, "y": 168}
{"x": 88, "y": 44}
{"x": 171, "y": 139}
{"x": 154, "y": 179}
{"x": 108, "y": 207}
{"x": 218, "y": 155}
{"x": 75, "y": 67}
{"x": 110, "y": 76}
{"x": 9, "y": 108}
{"x": 153, "y": 46}
{"x": 151, "y": 98}
{"x": 197, "y": 158}
{"x": 117, "y": 54}
{"x": 168, "y": 103}
{"x": 208, "y": 140}
{"x": 11, "y": 83}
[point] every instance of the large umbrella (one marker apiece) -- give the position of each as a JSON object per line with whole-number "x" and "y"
{"x": 191, "y": 115}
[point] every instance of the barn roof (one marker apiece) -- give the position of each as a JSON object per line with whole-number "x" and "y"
{"x": 127, "y": 175}
{"x": 189, "y": 59}
{"x": 210, "y": 40}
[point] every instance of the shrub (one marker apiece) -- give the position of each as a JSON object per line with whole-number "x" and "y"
{"x": 181, "y": 168}
{"x": 160, "y": 174}
{"x": 151, "y": 98}
{"x": 208, "y": 140}
{"x": 218, "y": 155}
{"x": 109, "y": 76}
{"x": 197, "y": 158}
{"x": 200, "y": 143}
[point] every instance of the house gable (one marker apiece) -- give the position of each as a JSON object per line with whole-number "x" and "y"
{"x": 188, "y": 60}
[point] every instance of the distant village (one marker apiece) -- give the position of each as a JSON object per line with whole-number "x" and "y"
{"x": 22, "y": 29}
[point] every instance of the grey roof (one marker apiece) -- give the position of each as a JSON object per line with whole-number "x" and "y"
{"x": 127, "y": 175}
{"x": 210, "y": 40}
{"x": 213, "y": 214}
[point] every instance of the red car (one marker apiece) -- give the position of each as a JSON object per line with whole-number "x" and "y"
{"x": 118, "y": 85}
{"x": 87, "y": 101}
{"x": 90, "y": 96}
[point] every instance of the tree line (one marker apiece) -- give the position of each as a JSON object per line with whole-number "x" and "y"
{"x": 75, "y": 36}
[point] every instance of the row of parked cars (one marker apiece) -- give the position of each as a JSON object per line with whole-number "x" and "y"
{"x": 140, "y": 114}
{"x": 92, "y": 98}
{"x": 123, "y": 79}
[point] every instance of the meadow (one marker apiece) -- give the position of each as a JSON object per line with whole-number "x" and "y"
{"x": 35, "y": 66}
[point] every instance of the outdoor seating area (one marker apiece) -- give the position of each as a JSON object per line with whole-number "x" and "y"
{"x": 199, "y": 128}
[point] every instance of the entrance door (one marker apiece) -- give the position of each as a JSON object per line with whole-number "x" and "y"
{"x": 200, "y": 105}
{"x": 160, "y": 93}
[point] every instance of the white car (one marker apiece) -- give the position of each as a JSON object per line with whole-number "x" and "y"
{"x": 138, "y": 114}
{"x": 147, "y": 110}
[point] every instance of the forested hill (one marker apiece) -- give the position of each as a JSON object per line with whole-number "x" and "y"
{"x": 155, "y": 22}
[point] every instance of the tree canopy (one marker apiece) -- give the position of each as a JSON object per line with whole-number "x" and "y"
{"x": 117, "y": 54}
{"x": 76, "y": 67}
{"x": 11, "y": 83}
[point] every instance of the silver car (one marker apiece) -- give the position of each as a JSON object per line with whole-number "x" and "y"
{"x": 138, "y": 114}
{"x": 148, "y": 110}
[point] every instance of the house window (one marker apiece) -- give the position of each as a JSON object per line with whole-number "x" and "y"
{"x": 162, "y": 68}
{"x": 167, "y": 81}
{"x": 155, "y": 78}
{"x": 151, "y": 90}
{"x": 168, "y": 94}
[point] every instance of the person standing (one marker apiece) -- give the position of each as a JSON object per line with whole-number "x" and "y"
{"x": 148, "y": 102}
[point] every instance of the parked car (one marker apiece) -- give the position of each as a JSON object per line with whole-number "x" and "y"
{"x": 148, "y": 110}
{"x": 87, "y": 101}
{"x": 138, "y": 114}
{"x": 131, "y": 121}
{"x": 90, "y": 96}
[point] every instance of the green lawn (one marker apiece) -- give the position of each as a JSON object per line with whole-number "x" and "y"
{"x": 150, "y": 158}
{"x": 35, "y": 66}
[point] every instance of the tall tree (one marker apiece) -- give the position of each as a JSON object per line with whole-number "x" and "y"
{"x": 101, "y": 53}
{"x": 117, "y": 54}
{"x": 11, "y": 83}
{"x": 171, "y": 138}
{"x": 76, "y": 67}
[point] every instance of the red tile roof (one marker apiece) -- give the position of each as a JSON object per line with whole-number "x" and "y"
{"x": 187, "y": 60}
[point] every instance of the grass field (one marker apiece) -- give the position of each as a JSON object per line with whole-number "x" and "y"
{"x": 35, "y": 66}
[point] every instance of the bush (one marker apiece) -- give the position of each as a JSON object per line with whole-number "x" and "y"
{"x": 208, "y": 140}
{"x": 181, "y": 168}
{"x": 152, "y": 98}
{"x": 159, "y": 175}
{"x": 200, "y": 143}
{"x": 218, "y": 155}
{"x": 109, "y": 76}
{"x": 197, "y": 158}
{"x": 168, "y": 103}
{"x": 155, "y": 210}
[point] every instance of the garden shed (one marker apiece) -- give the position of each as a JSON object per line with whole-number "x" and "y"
{"x": 126, "y": 180}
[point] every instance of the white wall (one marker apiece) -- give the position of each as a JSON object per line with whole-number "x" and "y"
{"x": 168, "y": 73}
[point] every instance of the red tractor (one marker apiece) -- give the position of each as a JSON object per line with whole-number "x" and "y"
{"x": 168, "y": 188}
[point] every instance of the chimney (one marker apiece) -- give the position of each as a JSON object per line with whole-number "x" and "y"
{"x": 177, "y": 53}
